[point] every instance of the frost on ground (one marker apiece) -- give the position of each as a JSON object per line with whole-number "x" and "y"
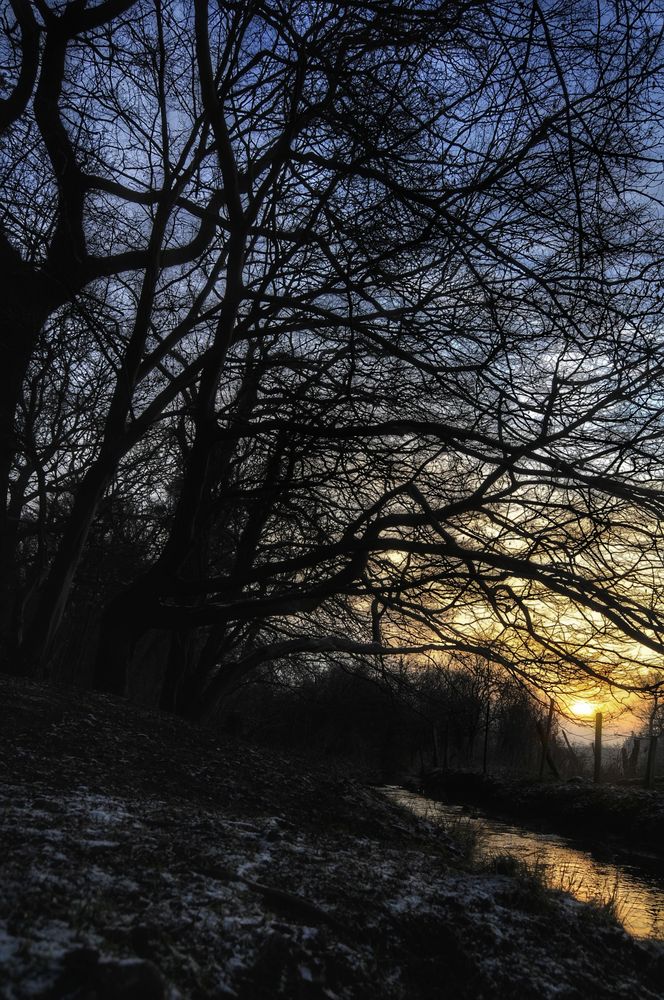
{"x": 143, "y": 858}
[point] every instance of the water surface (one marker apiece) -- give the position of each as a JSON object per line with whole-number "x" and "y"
{"x": 636, "y": 886}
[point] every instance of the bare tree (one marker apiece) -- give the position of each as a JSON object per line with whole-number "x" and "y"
{"x": 375, "y": 287}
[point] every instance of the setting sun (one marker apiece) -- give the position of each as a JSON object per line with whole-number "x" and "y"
{"x": 583, "y": 708}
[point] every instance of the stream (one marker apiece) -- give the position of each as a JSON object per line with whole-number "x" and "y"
{"x": 636, "y": 882}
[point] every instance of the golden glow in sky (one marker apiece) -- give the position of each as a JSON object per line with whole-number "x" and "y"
{"x": 582, "y": 708}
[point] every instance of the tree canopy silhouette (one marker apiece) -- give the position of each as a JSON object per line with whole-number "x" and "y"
{"x": 330, "y": 327}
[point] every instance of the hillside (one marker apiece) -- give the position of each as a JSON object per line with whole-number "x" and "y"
{"x": 144, "y": 857}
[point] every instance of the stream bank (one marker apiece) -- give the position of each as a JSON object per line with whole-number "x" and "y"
{"x": 148, "y": 859}
{"x": 623, "y": 817}
{"x": 633, "y": 892}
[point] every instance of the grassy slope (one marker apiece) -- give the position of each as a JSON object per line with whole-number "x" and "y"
{"x": 145, "y": 858}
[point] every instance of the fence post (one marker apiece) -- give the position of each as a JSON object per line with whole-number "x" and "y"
{"x": 572, "y": 751}
{"x": 545, "y": 741}
{"x": 436, "y": 751}
{"x": 598, "y": 747}
{"x": 486, "y": 736}
{"x": 650, "y": 766}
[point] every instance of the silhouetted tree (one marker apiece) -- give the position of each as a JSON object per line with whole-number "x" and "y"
{"x": 357, "y": 307}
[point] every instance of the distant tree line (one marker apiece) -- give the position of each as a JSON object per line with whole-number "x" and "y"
{"x": 465, "y": 715}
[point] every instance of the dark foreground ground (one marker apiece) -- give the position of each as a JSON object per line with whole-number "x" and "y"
{"x": 144, "y": 858}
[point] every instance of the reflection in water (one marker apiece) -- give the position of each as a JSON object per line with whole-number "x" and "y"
{"x": 639, "y": 894}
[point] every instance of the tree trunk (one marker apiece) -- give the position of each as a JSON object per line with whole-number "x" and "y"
{"x": 187, "y": 527}
{"x": 178, "y": 669}
{"x": 26, "y": 303}
{"x": 57, "y": 587}
{"x": 123, "y": 622}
